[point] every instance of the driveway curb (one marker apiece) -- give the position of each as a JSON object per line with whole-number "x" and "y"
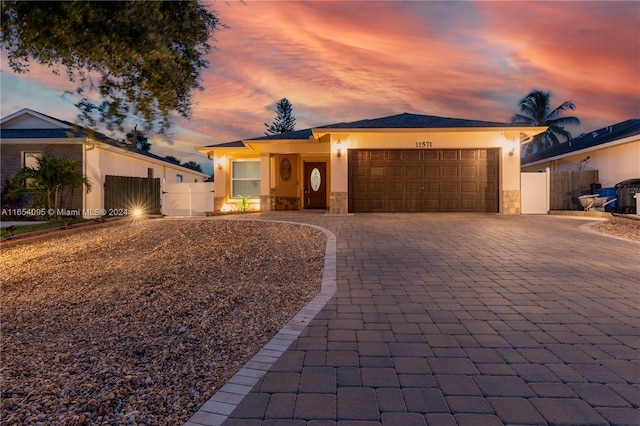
{"x": 216, "y": 410}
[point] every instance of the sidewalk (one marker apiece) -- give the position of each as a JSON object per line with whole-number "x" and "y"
{"x": 456, "y": 319}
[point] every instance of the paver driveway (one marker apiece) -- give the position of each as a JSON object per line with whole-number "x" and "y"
{"x": 463, "y": 319}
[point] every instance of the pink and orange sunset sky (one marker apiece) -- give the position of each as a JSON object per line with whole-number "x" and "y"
{"x": 351, "y": 60}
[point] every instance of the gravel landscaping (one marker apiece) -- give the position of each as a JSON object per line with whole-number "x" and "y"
{"x": 628, "y": 231}
{"x": 140, "y": 323}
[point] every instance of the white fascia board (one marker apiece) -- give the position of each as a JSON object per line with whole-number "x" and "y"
{"x": 611, "y": 144}
{"x": 529, "y": 131}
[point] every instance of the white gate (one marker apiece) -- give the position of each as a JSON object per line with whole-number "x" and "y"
{"x": 187, "y": 199}
{"x": 535, "y": 192}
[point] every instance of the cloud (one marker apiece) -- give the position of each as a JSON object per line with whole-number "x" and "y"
{"x": 344, "y": 61}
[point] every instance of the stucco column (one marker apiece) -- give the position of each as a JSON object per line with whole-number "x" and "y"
{"x": 511, "y": 196}
{"x": 339, "y": 191}
{"x": 265, "y": 182}
{"x": 220, "y": 170}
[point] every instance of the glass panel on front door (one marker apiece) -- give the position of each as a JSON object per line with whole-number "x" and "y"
{"x": 316, "y": 179}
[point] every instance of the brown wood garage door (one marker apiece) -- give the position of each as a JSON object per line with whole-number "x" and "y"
{"x": 438, "y": 180}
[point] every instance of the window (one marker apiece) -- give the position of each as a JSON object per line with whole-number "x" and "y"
{"x": 245, "y": 179}
{"x": 30, "y": 159}
{"x": 179, "y": 178}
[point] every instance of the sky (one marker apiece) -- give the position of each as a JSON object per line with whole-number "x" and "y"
{"x": 351, "y": 60}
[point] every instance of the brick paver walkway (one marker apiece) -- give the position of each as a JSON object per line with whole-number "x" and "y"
{"x": 459, "y": 319}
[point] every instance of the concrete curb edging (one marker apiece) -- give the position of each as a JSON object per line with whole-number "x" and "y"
{"x": 216, "y": 410}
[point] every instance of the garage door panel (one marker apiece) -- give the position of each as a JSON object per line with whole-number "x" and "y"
{"x": 376, "y": 187}
{"x": 433, "y": 171}
{"x": 375, "y": 171}
{"x": 431, "y": 154}
{"x": 378, "y": 155}
{"x": 360, "y": 171}
{"x": 449, "y": 188}
{"x": 423, "y": 180}
{"x": 450, "y": 154}
{"x": 469, "y": 154}
{"x": 471, "y": 205}
{"x": 360, "y": 155}
{"x": 469, "y": 187}
{"x": 395, "y": 189}
{"x": 413, "y": 155}
{"x": 432, "y": 187}
{"x": 450, "y": 204}
{"x": 395, "y": 155}
{"x": 469, "y": 171}
{"x": 450, "y": 171}
{"x": 395, "y": 171}
{"x": 414, "y": 171}
{"x": 411, "y": 188}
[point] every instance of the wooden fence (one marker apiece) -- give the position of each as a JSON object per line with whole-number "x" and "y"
{"x": 566, "y": 187}
{"x": 123, "y": 193}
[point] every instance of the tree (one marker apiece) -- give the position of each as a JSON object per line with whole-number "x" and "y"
{"x": 49, "y": 178}
{"x": 193, "y": 166}
{"x": 285, "y": 121}
{"x": 137, "y": 140}
{"x": 172, "y": 159}
{"x": 535, "y": 110}
{"x": 147, "y": 55}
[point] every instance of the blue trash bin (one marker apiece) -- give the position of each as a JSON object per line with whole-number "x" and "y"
{"x": 610, "y": 193}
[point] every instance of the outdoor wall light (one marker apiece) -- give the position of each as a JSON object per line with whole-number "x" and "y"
{"x": 338, "y": 149}
{"x": 512, "y": 152}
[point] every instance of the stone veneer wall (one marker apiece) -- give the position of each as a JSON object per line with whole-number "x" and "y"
{"x": 339, "y": 203}
{"x": 287, "y": 203}
{"x": 510, "y": 202}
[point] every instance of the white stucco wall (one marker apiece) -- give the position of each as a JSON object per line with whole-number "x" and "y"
{"x": 614, "y": 163}
{"x": 101, "y": 161}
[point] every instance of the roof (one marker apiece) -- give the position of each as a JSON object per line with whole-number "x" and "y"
{"x": 37, "y": 134}
{"x": 416, "y": 121}
{"x": 69, "y": 130}
{"x": 293, "y": 135}
{"x": 399, "y": 121}
{"x": 602, "y": 136}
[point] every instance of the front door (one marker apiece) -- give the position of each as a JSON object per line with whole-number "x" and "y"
{"x": 315, "y": 185}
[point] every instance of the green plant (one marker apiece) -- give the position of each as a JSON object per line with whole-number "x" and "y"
{"x": 47, "y": 180}
{"x": 244, "y": 203}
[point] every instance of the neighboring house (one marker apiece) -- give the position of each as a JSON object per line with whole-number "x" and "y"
{"x": 401, "y": 163}
{"x": 27, "y": 133}
{"x": 614, "y": 151}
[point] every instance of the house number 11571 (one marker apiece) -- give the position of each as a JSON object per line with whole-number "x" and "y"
{"x": 424, "y": 144}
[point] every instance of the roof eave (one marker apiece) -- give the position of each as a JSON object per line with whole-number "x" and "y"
{"x": 528, "y": 131}
{"x": 585, "y": 150}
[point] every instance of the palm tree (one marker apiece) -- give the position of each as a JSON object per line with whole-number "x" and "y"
{"x": 535, "y": 110}
{"x": 49, "y": 178}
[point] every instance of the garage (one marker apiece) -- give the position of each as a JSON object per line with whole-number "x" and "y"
{"x": 429, "y": 180}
